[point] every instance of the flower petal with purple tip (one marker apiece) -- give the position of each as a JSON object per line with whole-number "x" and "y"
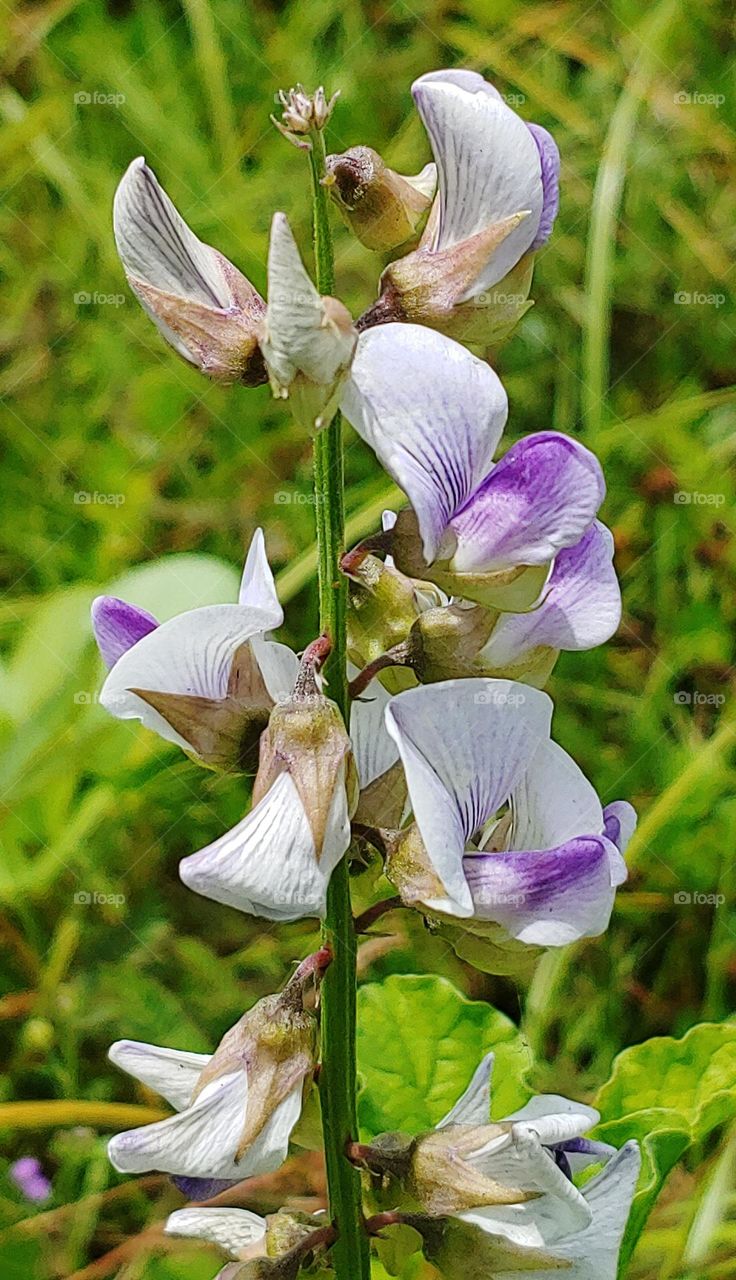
{"x": 488, "y": 167}
{"x": 581, "y": 606}
{"x": 540, "y": 498}
{"x": 117, "y": 626}
{"x": 465, "y": 746}
{"x": 547, "y": 898}
{"x": 619, "y": 823}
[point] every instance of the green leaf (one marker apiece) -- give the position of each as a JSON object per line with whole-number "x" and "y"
{"x": 668, "y": 1094}
{"x": 419, "y": 1042}
{"x": 695, "y": 1076}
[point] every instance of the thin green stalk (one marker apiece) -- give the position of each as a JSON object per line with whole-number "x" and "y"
{"x": 338, "y": 1079}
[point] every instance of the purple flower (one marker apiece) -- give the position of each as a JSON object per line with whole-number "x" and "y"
{"x": 30, "y": 1179}
{"x": 507, "y": 831}
{"x": 498, "y": 194}
{"x": 434, "y": 414}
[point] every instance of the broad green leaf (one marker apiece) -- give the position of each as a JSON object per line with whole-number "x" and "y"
{"x": 419, "y": 1042}
{"x": 695, "y": 1076}
{"x": 667, "y": 1094}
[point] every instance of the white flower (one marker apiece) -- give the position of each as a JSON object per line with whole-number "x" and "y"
{"x": 207, "y": 679}
{"x": 277, "y": 862}
{"x": 497, "y": 201}
{"x": 507, "y": 830}
{"x": 237, "y": 1108}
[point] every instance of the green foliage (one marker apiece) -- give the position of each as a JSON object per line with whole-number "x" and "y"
{"x": 668, "y": 1094}
{"x": 419, "y": 1042}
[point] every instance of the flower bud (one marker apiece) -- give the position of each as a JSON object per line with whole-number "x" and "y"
{"x": 445, "y": 642}
{"x": 384, "y": 606}
{"x": 306, "y": 738}
{"x": 201, "y": 304}
{"x": 382, "y": 207}
{"x": 303, "y": 113}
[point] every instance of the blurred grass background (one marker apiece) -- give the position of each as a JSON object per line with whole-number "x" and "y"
{"x": 92, "y": 405}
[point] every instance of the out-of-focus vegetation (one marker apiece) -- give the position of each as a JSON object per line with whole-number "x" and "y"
{"x": 115, "y": 454}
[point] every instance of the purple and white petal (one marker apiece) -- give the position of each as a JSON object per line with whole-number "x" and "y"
{"x": 549, "y": 897}
{"x": 465, "y": 745}
{"x": 190, "y": 654}
{"x": 541, "y": 497}
{"x": 232, "y": 1230}
{"x": 549, "y": 157}
{"x": 173, "y": 1073}
{"x": 432, "y": 412}
{"x": 117, "y": 626}
{"x": 580, "y": 608}
{"x": 580, "y": 1153}
{"x": 619, "y": 823}
{"x": 554, "y": 802}
{"x": 474, "y": 1106}
{"x": 488, "y": 166}
{"x": 257, "y": 586}
{"x": 267, "y": 865}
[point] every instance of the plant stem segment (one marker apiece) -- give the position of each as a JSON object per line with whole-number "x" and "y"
{"x": 337, "y": 1081}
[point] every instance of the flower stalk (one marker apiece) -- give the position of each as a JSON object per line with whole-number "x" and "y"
{"x": 337, "y": 1081}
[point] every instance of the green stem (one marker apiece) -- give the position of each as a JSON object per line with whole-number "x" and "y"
{"x": 351, "y": 1251}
